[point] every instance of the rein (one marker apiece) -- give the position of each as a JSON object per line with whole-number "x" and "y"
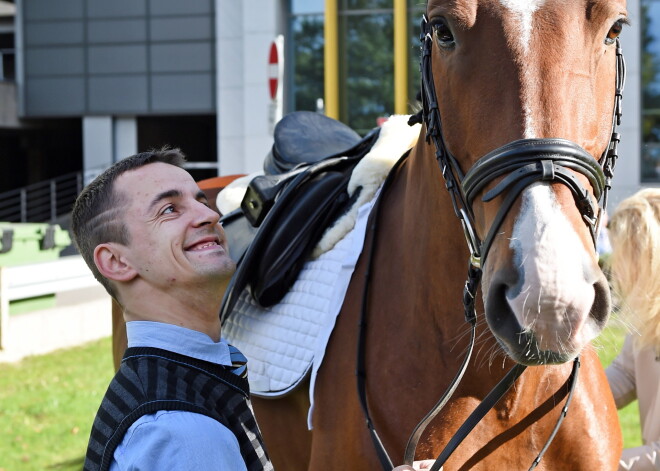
{"x": 524, "y": 162}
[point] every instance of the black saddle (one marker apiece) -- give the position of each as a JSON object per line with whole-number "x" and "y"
{"x": 305, "y": 137}
{"x": 283, "y": 215}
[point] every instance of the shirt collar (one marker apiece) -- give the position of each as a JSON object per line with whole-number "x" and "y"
{"x": 178, "y": 340}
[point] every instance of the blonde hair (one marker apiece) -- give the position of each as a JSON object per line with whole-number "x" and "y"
{"x": 635, "y": 236}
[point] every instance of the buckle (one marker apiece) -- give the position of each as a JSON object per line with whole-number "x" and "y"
{"x": 471, "y": 239}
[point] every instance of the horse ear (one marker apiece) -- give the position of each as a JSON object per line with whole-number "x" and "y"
{"x": 112, "y": 264}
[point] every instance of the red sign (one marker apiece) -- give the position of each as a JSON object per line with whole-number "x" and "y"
{"x": 273, "y": 70}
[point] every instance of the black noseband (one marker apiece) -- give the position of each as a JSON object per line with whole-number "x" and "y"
{"x": 527, "y": 161}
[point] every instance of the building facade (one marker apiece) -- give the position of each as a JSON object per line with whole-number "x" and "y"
{"x": 96, "y": 81}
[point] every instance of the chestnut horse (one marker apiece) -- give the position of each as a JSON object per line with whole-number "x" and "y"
{"x": 540, "y": 76}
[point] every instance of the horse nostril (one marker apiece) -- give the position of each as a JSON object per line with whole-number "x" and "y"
{"x": 499, "y": 314}
{"x": 600, "y": 309}
{"x": 505, "y": 283}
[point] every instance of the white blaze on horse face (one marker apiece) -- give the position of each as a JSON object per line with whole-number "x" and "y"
{"x": 554, "y": 296}
{"x": 523, "y": 14}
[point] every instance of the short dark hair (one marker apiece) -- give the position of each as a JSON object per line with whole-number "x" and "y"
{"x": 96, "y": 216}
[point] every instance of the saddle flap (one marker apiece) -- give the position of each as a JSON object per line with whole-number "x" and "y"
{"x": 302, "y": 211}
{"x": 292, "y": 211}
{"x": 297, "y": 232}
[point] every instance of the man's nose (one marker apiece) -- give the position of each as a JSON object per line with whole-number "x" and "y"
{"x": 205, "y": 215}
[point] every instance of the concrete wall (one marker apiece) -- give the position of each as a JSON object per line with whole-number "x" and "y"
{"x": 79, "y": 317}
{"x": 243, "y": 43}
{"x": 128, "y": 57}
{"x": 627, "y": 179}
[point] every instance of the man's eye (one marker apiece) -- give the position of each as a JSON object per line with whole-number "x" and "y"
{"x": 168, "y": 210}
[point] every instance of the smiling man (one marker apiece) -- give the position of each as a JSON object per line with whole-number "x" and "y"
{"x": 180, "y": 399}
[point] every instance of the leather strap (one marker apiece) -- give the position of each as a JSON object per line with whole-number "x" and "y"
{"x": 489, "y": 402}
{"x": 475, "y": 417}
{"x": 572, "y": 382}
{"x": 469, "y": 297}
{"x": 527, "y": 161}
{"x": 361, "y": 370}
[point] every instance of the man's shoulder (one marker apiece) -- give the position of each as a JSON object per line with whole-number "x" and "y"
{"x": 179, "y": 424}
{"x": 169, "y": 437}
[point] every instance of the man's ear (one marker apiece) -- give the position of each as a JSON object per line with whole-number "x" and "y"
{"x": 112, "y": 264}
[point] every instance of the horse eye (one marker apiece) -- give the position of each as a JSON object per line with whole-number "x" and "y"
{"x": 443, "y": 34}
{"x": 614, "y": 32}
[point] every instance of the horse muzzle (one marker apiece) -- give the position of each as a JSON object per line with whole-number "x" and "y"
{"x": 538, "y": 322}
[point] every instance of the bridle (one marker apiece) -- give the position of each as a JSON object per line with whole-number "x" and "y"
{"x": 525, "y": 161}
{"x": 522, "y": 163}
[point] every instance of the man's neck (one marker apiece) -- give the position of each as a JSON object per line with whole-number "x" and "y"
{"x": 194, "y": 309}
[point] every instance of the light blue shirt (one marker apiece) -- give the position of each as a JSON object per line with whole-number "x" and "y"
{"x": 177, "y": 440}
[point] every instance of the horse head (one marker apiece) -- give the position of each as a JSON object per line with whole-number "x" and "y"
{"x": 525, "y": 96}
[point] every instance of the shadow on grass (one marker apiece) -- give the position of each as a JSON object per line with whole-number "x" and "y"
{"x": 75, "y": 463}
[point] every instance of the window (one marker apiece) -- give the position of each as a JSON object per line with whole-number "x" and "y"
{"x": 415, "y": 12}
{"x": 7, "y": 67}
{"x": 366, "y": 53}
{"x": 650, "y": 167}
{"x": 366, "y": 58}
{"x": 305, "y": 53}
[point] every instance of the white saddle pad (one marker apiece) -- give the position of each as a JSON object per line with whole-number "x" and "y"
{"x": 287, "y": 341}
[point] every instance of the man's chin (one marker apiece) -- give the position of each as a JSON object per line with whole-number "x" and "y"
{"x": 223, "y": 268}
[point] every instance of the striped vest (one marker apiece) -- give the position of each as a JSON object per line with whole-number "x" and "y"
{"x": 151, "y": 379}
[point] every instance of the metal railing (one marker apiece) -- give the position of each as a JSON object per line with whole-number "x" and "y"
{"x": 41, "y": 202}
{"x": 48, "y": 200}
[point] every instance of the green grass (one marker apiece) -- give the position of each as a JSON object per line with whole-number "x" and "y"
{"x": 47, "y": 405}
{"x": 609, "y": 345}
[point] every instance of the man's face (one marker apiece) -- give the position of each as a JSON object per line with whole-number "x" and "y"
{"x": 175, "y": 238}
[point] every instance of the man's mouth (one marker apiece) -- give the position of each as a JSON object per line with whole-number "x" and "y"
{"x": 206, "y": 243}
